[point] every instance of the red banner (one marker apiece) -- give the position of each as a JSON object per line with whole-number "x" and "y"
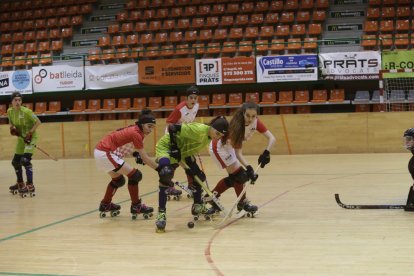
{"x": 238, "y": 70}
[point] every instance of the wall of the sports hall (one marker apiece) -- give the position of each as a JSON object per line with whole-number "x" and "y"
{"x": 295, "y": 134}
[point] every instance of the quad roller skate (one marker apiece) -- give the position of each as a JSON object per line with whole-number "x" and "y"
{"x": 14, "y": 189}
{"x": 173, "y": 193}
{"x": 140, "y": 208}
{"x": 200, "y": 209}
{"x": 247, "y": 207}
{"x": 161, "y": 221}
{"x": 26, "y": 190}
{"x": 114, "y": 209}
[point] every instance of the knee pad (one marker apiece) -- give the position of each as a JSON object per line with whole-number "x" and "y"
{"x": 240, "y": 176}
{"x": 118, "y": 182}
{"x": 166, "y": 174}
{"x": 134, "y": 177}
{"x": 25, "y": 161}
{"x": 16, "y": 162}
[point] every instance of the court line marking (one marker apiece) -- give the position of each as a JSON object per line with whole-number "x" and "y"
{"x": 207, "y": 250}
{"x": 62, "y": 221}
{"x": 31, "y": 274}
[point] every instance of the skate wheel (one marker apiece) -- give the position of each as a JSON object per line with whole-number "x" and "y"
{"x": 207, "y": 217}
{"x": 134, "y": 216}
{"x": 188, "y": 196}
{"x": 190, "y": 224}
{"x": 32, "y": 194}
{"x": 24, "y": 195}
{"x": 15, "y": 192}
{"x": 249, "y": 215}
{"x": 102, "y": 215}
{"x": 195, "y": 218}
{"x": 146, "y": 216}
{"x": 151, "y": 215}
{"x": 114, "y": 214}
{"x": 168, "y": 198}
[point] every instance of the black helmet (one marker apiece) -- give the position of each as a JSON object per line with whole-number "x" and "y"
{"x": 409, "y": 132}
{"x": 192, "y": 90}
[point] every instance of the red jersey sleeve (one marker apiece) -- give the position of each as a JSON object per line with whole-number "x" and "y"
{"x": 175, "y": 116}
{"x": 138, "y": 140}
{"x": 260, "y": 127}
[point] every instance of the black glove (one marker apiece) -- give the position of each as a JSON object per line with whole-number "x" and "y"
{"x": 264, "y": 159}
{"x": 250, "y": 173}
{"x": 175, "y": 152}
{"x": 138, "y": 158}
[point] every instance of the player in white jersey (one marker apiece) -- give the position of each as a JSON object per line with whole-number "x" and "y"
{"x": 184, "y": 112}
{"x": 227, "y": 153}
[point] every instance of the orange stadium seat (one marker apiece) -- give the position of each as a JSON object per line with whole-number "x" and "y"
{"x": 40, "y": 107}
{"x": 54, "y": 106}
{"x": 319, "y": 96}
{"x": 154, "y": 102}
{"x": 203, "y": 100}
{"x": 235, "y": 99}
{"x": 301, "y": 96}
{"x": 93, "y": 105}
{"x": 139, "y": 103}
{"x": 170, "y": 102}
{"x": 218, "y": 100}
{"x": 268, "y": 98}
{"x": 3, "y": 109}
{"x": 252, "y": 97}
{"x": 285, "y": 97}
{"x": 108, "y": 105}
{"x": 123, "y": 104}
{"x": 337, "y": 95}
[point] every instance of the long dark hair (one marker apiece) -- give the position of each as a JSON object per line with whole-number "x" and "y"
{"x": 236, "y": 128}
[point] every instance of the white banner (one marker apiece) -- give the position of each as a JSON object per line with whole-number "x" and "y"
{"x": 16, "y": 81}
{"x": 109, "y": 76}
{"x": 57, "y": 78}
{"x": 350, "y": 65}
{"x": 287, "y": 68}
{"x": 208, "y": 71}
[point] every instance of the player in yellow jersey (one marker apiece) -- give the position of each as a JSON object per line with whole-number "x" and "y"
{"x": 23, "y": 124}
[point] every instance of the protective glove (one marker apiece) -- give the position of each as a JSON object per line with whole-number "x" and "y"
{"x": 14, "y": 131}
{"x": 138, "y": 158}
{"x": 28, "y": 138}
{"x": 250, "y": 173}
{"x": 264, "y": 159}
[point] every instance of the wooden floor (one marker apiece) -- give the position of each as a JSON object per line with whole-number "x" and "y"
{"x": 300, "y": 229}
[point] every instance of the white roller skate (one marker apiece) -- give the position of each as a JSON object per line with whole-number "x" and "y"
{"x": 173, "y": 193}
{"x": 14, "y": 189}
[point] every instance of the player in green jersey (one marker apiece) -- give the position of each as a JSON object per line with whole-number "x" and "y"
{"x": 23, "y": 124}
{"x": 181, "y": 144}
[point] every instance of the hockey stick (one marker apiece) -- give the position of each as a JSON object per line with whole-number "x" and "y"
{"x": 358, "y": 206}
{"x": 184, "y": 188}
{"x": 41, "y": 150}
{"x": 202, "y": 168}
{"x": 233, "y": 208}
{"x": 205, "y": 188}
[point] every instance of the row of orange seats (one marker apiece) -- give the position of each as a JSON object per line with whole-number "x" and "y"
{"x": 36, "y": 5}
{"x": 388, "y": 2}
{"x": 387, "y": 41}
{"x": 169, "y": 102}
{"x": 389, "y": 12}
{"x": 41, "y": 24}
{"x": 193, "y": 7}
{"x": 388, "y": 26}
{"x": 26, "y": 61}
{"x": 40, "y": 35}
{"x": 32, "y": 47}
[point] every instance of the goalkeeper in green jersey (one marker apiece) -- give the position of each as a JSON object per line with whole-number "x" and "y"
{"x": 181, "y": 143}
{"x": 23, "y": 124}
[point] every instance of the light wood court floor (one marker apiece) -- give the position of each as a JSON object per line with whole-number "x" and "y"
{"x": 300, "y": 229}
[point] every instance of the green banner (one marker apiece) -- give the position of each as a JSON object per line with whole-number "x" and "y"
{"x": 397, "y": 60}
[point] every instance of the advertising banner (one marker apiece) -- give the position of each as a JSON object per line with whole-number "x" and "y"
{"x": 208, "y": 71}
{"x": 287, "y": 68}
{"x": 109, "y": 76}
{"x": 397, "y": 60}
{"x": 238, "y": 70}
{"x": 16, "y": 81}
{"x": 350, "y": 65}
{"x": 166, "y": 71}
{"x": 57, "y": 78}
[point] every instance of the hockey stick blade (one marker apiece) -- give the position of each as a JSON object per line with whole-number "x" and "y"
{"x": 359, "y": 206}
